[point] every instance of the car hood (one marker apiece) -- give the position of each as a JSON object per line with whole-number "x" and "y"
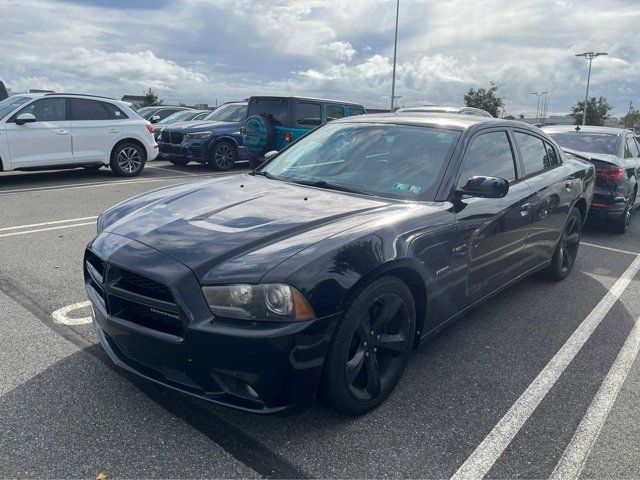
{"x": 198, "y": 125}
{"x": 253, "y": 222}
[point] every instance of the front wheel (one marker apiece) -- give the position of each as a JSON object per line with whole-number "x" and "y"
{"x": 223, "y": 156}
{"x": 567, "y": 250}
{"x": 370, "y": 347}
{"x": 127, "y": 159}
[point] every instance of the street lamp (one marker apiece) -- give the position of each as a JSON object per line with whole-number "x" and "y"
{"x": 395, "y": 49}
{"x": 538, "y": 106}
{"x": 589, "y": 56}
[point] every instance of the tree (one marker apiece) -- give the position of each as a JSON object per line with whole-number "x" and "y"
{"x": 150, "y": 98}
{"x": 597, "y": 111}
{"x": 631, "y": 119}
{"x": 485, "y": 98}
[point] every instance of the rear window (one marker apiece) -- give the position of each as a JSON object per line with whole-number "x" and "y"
{"x": 275, "y": 109}
{"x": 591, "y": 142}
{"x": 334, "y": 112}
{"x": 308, "y": 114}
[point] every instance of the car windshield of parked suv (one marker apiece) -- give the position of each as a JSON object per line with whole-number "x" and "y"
{"x": 592, "y": 142}
{"x": 8, "y": 105}
{"x": 227, "y": 113}
{"x": 181, "y": 116}
{"x": 396, "y": 161}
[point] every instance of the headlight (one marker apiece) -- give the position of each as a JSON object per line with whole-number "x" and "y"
{"x": 269, "y": 302}
{"x": 205, "y": 134}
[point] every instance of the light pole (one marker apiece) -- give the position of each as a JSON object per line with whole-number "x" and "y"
{"x": 589, "y": 56}
{"x": 395, "y": 49}
{"x": 543, "y": 110}
{"x": 538, "y": 106}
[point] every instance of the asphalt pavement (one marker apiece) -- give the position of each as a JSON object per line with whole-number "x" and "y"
{"x": 542, "y": 380}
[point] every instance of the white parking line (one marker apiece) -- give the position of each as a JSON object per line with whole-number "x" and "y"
{"x": 20, "y": 227}
{"x": 495, "y": 443}
{"x": 171, "y": 170}
{"x": 577, "y": 452}
{"x": 61, "y": 315}
{"x": 609, "y": 248}
{"x": 102, "y": 184}
{"x": 12, "y": 234}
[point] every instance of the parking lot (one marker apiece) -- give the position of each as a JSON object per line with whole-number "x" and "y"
{"x": 501, "y": 392}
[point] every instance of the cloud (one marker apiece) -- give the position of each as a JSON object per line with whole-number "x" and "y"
{"x": 202, "y": 50}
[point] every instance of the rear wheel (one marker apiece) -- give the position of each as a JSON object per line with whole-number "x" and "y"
{"x": 223, "y": 156}
{"x": 621, "y": 224}
{"x": 370, "y": 348}
{"x": 567, "y": 250}
{"x": 127, "y": 159}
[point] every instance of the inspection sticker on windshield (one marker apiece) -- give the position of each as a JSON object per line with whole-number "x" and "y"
{"x": 405, "y": 187}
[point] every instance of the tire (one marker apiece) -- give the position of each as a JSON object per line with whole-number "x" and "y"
{"x": 128, "y": 159}
{"x": 179, "y": 162}
{"x": 223, "y": 156}
{"x": 258, "y": 136}
{"x": 620, "y": 225}
{"x": 566, "y": 251}
{"x": 362, "y": 368}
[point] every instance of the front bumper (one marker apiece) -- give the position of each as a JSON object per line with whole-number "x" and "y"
{"x": 194, "y": 150}
{"x": 261, "y": 367}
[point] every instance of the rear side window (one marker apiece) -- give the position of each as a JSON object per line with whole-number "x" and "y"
{"x": 632, "y": 148}
{"x": 535, "y": 156}
{"x": 83, "y": 109}
{"x": 334, "y": 112}
{"x": 164, "y": 113}
{"x": 275, "y": 109}
{"x": 355, "y": 111}
{"x": 45, "y": 110}
{"x": 113, "y": 112}
{"x": 489, "y": 155}
{"x": 308, "y": 114}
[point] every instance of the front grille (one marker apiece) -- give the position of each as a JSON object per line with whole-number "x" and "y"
{"x": 166, "y": 136}
{"x": 146, "y": 316}
{"x": 176, "y": 137}
{"x": 132, "y": 297}
{"x": 135, "y": 283}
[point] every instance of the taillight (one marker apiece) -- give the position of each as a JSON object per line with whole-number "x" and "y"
{"x": 614, "y": 173}
{"x": 150, "y": 128}
{"x": 288, "y": 136}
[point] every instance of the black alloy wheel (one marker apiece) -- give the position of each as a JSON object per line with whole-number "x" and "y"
{"x": 621, "y": 224}
{"x": 370, "y": 348}
{"x": 223, "y": 156}
{"x": 567, "y": 250}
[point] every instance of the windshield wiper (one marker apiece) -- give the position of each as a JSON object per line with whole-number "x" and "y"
{"x": 331, "y": 186}
{"x": 264, "y": 174}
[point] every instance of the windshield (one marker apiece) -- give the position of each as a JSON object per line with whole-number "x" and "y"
{"x": 8, "y": 105}
{"x": 143, "y": 112}
{"x": 228, "y": 113}
{"x": 181, "y": 116}
{"x": 591, "y": 142}
{"x": 396, "y": 161}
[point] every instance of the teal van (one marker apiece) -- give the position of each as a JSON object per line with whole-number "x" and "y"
{"x": 275, "y": 122}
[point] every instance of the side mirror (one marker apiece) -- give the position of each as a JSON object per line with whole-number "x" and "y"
{"x": 269, "y": 155}
{"x": 485, "y": 187}
{"x": 25, "y": 118}
{"x": 155, "y": 118}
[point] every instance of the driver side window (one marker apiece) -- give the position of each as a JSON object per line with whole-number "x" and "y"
{"x": 490, "y": 154}
{"x": 45, "y": 110}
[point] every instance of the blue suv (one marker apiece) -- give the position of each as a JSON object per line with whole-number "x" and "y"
{"x": 214, "y": 140}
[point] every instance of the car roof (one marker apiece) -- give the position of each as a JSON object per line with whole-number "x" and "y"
{"x": 312, "y": 99}
{"x": 585, "y": 129}
{"x": 443, "y": 120}
{"x": 443, "y": 109}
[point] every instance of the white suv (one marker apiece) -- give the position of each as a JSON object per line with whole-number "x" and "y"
{"x": 57, "y": 130}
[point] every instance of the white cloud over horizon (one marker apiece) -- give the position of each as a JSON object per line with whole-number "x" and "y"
{"x": 203, "y": 50}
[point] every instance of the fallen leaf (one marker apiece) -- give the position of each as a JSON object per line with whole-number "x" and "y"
{"x": 101, "y": 476}
{"x": 487, "y": 348}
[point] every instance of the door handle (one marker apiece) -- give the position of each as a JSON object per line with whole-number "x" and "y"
{"x": 113, "y": 130}
{"x": 62, "y": 132}
{"x": 524, "y": 209}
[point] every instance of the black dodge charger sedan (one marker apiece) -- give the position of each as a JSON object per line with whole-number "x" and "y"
{"x": 319, "y": 272}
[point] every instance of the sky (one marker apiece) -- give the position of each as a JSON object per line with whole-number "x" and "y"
{"x": 203, "y": 51}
